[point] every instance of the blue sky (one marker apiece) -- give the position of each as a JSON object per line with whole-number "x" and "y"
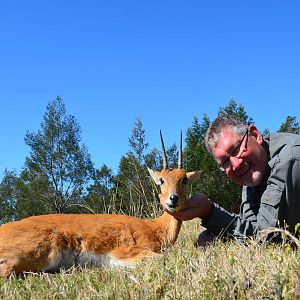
{"x": 162, "y": 61}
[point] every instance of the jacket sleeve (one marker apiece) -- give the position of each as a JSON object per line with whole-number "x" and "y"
{"x": 257, "y": 212}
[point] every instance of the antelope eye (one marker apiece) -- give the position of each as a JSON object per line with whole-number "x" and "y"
{"x": 185, "y": 180}
{"x": 161, "y": 181}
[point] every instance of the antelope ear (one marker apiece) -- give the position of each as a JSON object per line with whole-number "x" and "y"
{"x": 193, "y": 176}
{"x": 154, "y": 175}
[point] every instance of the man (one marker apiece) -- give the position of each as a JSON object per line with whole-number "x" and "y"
{"x": 267, "y": 168}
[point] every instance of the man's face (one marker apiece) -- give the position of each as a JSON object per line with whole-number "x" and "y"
{"x": 247, "y": 162}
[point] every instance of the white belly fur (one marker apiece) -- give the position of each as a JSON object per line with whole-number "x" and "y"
{"x": 67, "y": 259}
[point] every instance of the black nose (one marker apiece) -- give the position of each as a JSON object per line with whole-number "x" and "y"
{"x": 174, "y": 199}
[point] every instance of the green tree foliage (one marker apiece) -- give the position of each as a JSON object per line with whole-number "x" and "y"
{"x": 58, "y": 169}
{"x": 290, "y": 125}
{"x": 212, "y": 182}
{"x": 8, "y": 197}
{"x": 135, "y": 191}
{"x": 100, "y": 197}
{"x": 137, "y": 141}
{"x": 196, "y": 155}
{"x": 153, "y": 159}
{"x": 266, "y": 131}
{"x": 232, "y": 108}
{"x": 58, "y": 175}
{"x": 132, "y": 180}
{"x": 33, "y": 195}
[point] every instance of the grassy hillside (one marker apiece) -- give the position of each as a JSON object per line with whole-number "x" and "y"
{"x": 223, "y": 271}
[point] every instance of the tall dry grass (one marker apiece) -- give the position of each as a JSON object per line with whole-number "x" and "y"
{"x": 230, "y": 270}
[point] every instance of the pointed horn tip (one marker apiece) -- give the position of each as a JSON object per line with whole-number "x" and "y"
{"x": 180, "y": 154}
{"x": 165, "y": 161}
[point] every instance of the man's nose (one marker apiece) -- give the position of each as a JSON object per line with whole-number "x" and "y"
{"x": 235, "y": 162}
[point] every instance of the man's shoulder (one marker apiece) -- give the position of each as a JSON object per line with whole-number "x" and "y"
{"x": 284, "y": 138}
{"x": 284, "y": 145}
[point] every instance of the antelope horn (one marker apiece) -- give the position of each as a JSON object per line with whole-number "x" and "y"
{"x": 165, "y": 163}
{"x": 180, "y": 152}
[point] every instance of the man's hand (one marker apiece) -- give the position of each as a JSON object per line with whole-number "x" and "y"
{"x": 196, "y": 206}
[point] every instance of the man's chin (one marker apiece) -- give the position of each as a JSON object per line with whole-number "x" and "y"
{"x": 254, "y": 180}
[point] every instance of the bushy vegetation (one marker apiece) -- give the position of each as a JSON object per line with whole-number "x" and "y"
{"x": 59, "y": 176}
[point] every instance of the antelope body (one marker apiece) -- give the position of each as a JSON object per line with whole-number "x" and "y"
{"x": 50, "y": 242}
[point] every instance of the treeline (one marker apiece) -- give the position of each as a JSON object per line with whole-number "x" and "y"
{"x": 59, "y": 176}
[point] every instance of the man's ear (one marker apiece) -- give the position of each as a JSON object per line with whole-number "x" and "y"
{"x": 193, "y": 176}
{"x": 154, "y": 175}
{"x": 256, "y": 134}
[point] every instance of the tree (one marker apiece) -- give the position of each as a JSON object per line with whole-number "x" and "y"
{"x": 194, "y": 145}
{"x": 135, "y": 192}
{"x": 290, "y": 125}
{"x": 238, "y": 111}
{"x": 131, "y": 176}
{"x": 99, "y": 197}
{"x": 153, "y": 159}
{"x": 58, "y": 169}
{"x": 137, "y": 140}
{"x": 8, "y": 197}
{"x": 213, "y": 182}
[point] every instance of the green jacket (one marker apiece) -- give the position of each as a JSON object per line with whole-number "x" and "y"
{"x": 276, "y": 202}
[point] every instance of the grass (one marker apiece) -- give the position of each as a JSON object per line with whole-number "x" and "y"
{"x": 223, "y": 271}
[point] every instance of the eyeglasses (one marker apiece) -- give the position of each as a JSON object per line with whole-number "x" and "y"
{"x": 226, "y": 163}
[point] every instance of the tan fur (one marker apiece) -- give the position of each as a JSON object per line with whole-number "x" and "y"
{"x": 46, "y": 243}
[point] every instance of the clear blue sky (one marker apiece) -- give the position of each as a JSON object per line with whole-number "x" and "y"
{"x": 163, "y": 61}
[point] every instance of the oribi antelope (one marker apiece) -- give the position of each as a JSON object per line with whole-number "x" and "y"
{"x": 50, "y": 242}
